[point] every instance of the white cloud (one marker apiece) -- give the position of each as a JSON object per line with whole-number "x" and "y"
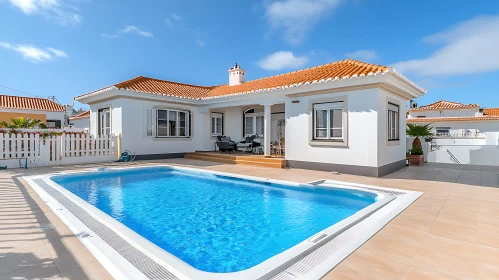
{"x": 59, "y": 53}
{"x": 169, "y": 20}
{"x": 282, "y": 60}
{"x": 201, "y": 43}
{"x": 468, "y": 47}
{"x": 33, "y": 53}
{"x": 297, "y": 17}
{"x": 52, "y": 9}
{"x": 175, "y": 16}
{"x": 130, "y": 29}
{"x": 364, "y": 55}
{"x": 136, "y": 30}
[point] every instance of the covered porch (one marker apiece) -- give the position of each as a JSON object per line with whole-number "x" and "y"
{"x": 256, "y": 131}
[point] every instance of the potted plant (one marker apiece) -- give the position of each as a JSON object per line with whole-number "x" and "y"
{"x": 416, "y": 153}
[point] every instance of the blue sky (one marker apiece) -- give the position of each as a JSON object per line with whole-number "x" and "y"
{"x": 70, "y": 47}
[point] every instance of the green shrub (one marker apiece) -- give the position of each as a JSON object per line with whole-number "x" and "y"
{"x": 416, "y": 150}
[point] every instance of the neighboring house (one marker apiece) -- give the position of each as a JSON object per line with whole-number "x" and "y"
{"x": 464, "y": 133}
{"x": 48, "y": 111}
{"x": 81, "y": 120}
{"x": 347, "y": 116}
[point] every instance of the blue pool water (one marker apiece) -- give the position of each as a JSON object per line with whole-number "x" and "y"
{"x": 214, "y": 223}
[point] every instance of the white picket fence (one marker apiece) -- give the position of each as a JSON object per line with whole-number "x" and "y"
{"x": 35, "y": 150}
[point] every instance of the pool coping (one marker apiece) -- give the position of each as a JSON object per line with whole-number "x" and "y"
{"x": 120, "y": 268}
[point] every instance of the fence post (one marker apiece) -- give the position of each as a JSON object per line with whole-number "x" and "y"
{"x": 63, "y": 146}
{"x": 32, "y": 154}
{"x": 118, "y": 145}
{"x": 25, "y": 145}
{"x": 2, "y": 150}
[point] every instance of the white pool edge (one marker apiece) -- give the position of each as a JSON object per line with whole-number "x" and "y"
{"x": 120, "y": 268}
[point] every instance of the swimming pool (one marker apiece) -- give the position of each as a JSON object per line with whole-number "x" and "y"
{"x": 215, "y": 223}
{"x": 204, "y": 224}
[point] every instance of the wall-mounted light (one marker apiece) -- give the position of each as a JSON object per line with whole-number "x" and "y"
{"x": 295, "y": 101}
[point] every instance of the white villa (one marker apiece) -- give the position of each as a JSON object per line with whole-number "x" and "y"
{"x": 346, "y": 116}
{"x": 465, "y": 133}
{"x": 81, "y": 120}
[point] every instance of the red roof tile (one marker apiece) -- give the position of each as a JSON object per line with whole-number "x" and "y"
{"x": 29, "y": 103}
{"x": 445, "y": 105}
{"x": 491, "y": 112}
{"x": 83, "y": 115}
{"x": 336, "y": 70}
{"x": 453, "y": 119}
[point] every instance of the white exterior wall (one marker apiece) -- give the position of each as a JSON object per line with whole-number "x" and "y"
{"x": 362, "y": 130}
{"x": 116, "y": 116}
{"x": 81, "y": 123}
{"x": 133, "y": 131}
{"x": 444, "y": 113}
{"x": 390, "y": 151}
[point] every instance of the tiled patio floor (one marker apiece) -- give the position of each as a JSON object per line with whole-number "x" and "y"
{"x": 451, "y": 232}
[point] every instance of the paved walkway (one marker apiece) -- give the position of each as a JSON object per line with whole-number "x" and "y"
{"x": 451, "y": 232}
{"x": 487, "y": 176}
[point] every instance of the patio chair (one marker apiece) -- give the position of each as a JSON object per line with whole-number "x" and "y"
{"x": 227, "y": 139}
{"x": 247, "y": 144}
{"x": 224, "y": 146}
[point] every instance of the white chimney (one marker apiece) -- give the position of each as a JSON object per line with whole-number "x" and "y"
{"x": 236, "y": 75}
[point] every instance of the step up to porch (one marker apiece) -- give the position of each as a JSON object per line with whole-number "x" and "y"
{"x": 238, "y": 158}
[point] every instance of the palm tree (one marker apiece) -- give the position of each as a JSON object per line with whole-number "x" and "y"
{"x": 417, "y": 130}
{"x": 22, "y": 122}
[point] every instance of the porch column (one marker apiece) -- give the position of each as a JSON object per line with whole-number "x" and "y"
{"x": 266, "y": 130}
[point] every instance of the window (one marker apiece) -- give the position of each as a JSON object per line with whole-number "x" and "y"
{"x": 248, "y": 127}
{"x": 216, "y": 124}
{"x": 443, "y": 131}
{"x": 53, "y": 123}
{"x": 393, "y": 122}
{"x": 254, "y": 124}
{"x": 150, "y": 122}
{"x": 328, "y": 121}
{"x": 168, "y": 123}
{"x": 104, "y": 121}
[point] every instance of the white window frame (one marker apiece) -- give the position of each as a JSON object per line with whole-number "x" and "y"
{"x": 393, "y": 122}
{"x": 442, "y": 128}
{"x": 150, "y": 122}
{"x": 100, "y": 128}
{"x": 328, "y": 107}
{"x": 254, "y": 117}
{"x": 217, "y": 118}
{"x": 177, "y": 125}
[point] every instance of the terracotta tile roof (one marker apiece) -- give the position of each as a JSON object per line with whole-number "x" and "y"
{"x": 453, "y": 119}
{"x": 445, "y": 105}
{"x": 335, "y": 70}
{"x": 162, "y": 87}
{"x": 328, "y": 72}
{"x": 491, "y": 111}
{"x": 83, "y": 115}
{"x": 29, "y": 103}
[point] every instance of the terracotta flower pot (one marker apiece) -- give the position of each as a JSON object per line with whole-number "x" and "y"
{"x": 415, "y": 159}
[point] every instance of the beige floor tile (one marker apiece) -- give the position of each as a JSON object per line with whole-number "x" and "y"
{"x": 455, "y": 230}
{"x": 46, "y": 271}
{"x": 446, "y": 264}
{"x": 488, "y": 239}
{"x": 466, "y": 250}
{"x": 23, "y": 254}
{"x": 427, "y": 200}
{"x": 342, "y": 272}
{"x": 382, "y": 265}
{"x": 400, "y": 242}
{"x": 423, "y": 273}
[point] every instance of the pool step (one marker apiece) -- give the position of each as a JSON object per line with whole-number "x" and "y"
{"x": 255, "y": 160}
